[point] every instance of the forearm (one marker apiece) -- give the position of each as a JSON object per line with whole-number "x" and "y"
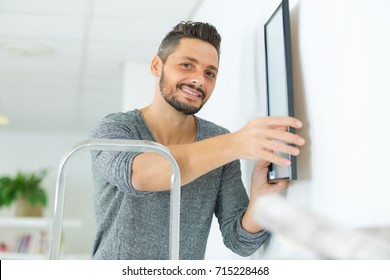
{"x": 248, "y": 221}
{"x": 152, "y": 172}
{"x": 259, "y": 187}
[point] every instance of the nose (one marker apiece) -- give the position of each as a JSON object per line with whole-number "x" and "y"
{"x": 198, "y": 79}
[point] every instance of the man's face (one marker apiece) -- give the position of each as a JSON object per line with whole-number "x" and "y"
{"x": 188, "y": 76}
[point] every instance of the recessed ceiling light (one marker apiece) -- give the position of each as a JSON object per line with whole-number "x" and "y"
{"x": 25, "y": 49}
{"x": 3, "y": 120}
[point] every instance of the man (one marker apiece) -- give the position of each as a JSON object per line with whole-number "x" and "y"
{"x": 132, "y": 189}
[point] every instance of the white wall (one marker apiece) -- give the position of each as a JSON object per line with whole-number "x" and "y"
{"x": 345, "y": 60}
{"x": 342, "y": 52}
{"x": 340, "y": 57}
{"x": 138, "y": 85}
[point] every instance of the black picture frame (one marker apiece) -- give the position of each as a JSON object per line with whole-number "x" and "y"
{"x": 279, "y": 80}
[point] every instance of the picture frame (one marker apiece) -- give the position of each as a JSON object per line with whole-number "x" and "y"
{"x": 279, "y": 79}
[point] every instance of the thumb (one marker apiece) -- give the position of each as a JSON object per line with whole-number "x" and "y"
{"x": 261, "y": 164}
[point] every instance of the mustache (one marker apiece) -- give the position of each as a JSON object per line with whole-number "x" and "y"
{"x": 193, "y": 87}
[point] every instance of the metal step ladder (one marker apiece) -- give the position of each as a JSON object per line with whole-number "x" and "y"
{"x": 125, "y": 146}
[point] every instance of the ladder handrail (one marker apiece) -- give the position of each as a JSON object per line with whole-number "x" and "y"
{"x": 117, "y": 145}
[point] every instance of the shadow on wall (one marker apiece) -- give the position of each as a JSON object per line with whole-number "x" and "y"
{"x": 300, "y": 102}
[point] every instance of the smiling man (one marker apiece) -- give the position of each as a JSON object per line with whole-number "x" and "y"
{"x": 132, "y": 189}
{"x": 203, "y": 76}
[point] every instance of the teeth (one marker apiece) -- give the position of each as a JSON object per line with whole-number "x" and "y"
{"x": 191, "y": 93}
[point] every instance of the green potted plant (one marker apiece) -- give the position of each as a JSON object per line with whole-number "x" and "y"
{"x": 25, "y": 189}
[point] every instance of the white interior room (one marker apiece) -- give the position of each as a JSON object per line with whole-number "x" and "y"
{"x": 66, "y": 64}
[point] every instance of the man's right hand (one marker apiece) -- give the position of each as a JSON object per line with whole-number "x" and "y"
{"x": 262, "y": 137}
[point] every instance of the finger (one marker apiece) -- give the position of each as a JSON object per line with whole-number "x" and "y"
{"x": 282, "y": 121}
{"x": 282, "y": 184}
{"x": 283, "y": 128}
{"x": 261, "y": 164}
{"x": 279, "y": 186}
{"x": 284, "y": 136}
{"x": 281, "y": 147}
{"x": 274, "y": 158}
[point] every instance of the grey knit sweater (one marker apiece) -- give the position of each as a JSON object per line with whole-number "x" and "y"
{"x": 135, "y": 225}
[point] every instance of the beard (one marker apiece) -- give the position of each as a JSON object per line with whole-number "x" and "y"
{"x": 172, "y": 99}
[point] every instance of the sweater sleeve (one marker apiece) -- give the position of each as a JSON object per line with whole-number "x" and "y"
{"x": 232, "y": 202}
{"x": 115, "y": 167}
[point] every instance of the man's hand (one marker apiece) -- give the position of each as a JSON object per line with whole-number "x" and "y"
{"x": 259, "y": 183}
{"x": 261, "y": 137}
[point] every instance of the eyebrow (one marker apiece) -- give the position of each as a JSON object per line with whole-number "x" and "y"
{"x": 212, "y": 67}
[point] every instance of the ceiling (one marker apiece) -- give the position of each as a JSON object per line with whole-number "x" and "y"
{"x": 61, "y": 60}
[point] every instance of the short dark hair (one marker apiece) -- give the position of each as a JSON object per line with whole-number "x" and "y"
{"x": 188, "y": 29}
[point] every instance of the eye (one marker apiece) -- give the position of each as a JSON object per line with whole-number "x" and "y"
{"x": 210, "y": 74}
{"x": 186, "y": 65}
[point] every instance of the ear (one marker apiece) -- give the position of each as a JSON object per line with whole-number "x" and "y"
{"x": 156, "y": 66}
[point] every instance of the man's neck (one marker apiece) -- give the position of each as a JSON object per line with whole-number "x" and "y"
{"x": 168, "y": 126}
